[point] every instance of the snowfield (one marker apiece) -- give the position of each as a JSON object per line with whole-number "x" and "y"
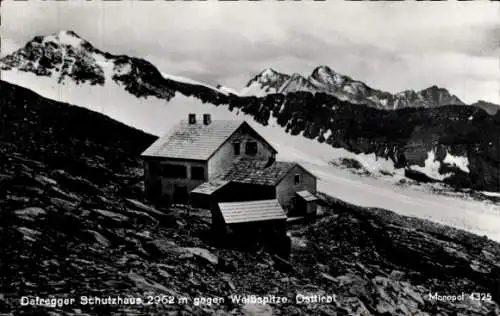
{"x": 457, "y": 161}
{"x": 193, "y": 82}
{"x": 255, "y": 89}
{"x": 155, "y": 116}
{"x": 431, "y": 167}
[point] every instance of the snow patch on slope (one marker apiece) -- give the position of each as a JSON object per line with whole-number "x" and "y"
{"x": 491, "y": 194}
{"x": 378, "y": 165}
{"x": 227, "y": 90}
{"x": 478, "y": 217}
{"x": 458, "y": 161}
{"x": 256, "y": 89}
{"x": 431, "y": 167}
{"x": 111, "y": 99}
{"x": 190, "y": 81}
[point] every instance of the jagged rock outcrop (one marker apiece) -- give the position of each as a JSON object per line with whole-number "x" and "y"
{"x": 462, "y": 141}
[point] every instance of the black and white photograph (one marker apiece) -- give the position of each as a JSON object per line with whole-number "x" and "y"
{"x": 250, "y": 158}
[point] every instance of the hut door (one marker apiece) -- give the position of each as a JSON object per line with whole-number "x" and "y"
{"x": 299, "y": 207}
{"x": 180, "y": 195}
{"x": 154, "y": 191}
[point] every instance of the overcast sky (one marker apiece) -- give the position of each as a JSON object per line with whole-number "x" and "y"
{"x": 391, "y": 46}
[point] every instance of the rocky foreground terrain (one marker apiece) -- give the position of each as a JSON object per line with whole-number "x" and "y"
{"x": 74, "y": 223}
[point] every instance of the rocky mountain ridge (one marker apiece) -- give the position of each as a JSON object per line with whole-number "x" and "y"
{"x": 324, "y": 79}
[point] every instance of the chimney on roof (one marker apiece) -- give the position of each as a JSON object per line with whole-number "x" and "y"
{"x": 192, "y": 118}
{"x": 207, "y": 119}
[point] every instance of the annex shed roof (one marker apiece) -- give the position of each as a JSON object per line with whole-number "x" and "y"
{"x": 307, "y": 196}
{"x": 251, "y": 211}
{"x": 208, "y": 188}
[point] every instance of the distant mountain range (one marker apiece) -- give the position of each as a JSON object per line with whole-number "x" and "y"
{"x": 324, "y": 79}
{"x": 66, "y": 56}
{"x": 429, "y": 129}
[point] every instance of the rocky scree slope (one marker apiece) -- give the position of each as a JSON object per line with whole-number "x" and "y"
{"x": 74, "y": 222}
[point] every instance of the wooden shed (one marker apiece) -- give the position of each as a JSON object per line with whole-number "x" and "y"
{"x": 305, "y": 204}
{"x": 254, "y": 222}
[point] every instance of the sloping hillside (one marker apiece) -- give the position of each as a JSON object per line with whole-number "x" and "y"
{"x": 73, "y": 223}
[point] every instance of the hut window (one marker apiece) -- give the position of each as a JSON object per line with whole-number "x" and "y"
{"x": 251, "y": 148}
{"x": 174, "y": 171}
{"x": 296, "y": 179}
{"x": 197, "y": 173}
{"x": 236, "y": 146}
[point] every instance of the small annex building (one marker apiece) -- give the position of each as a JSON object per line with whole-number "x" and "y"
{"x": 253, "y": 179}
{"x": 254, "y": 222}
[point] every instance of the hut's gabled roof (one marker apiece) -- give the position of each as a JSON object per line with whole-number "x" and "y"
{"x": 193, "y": 141}
{"x": 251, "y": 211}
{"x": 196, "y": 141}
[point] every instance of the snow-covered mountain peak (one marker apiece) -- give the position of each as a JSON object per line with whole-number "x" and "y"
{"x": 322, "y": 68}
{"x": 297, "y": 82}
{"x": 266, "y": 82}
{"x": 443, "y": 95}
{"x": 327, "y": 79}
{"x": 65, "y": 58}
{"x": 67, "y": 38}
{"x": 269, "y": 73}
{"x": 432, "y": 96}
{"x": 322, "y": 71}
